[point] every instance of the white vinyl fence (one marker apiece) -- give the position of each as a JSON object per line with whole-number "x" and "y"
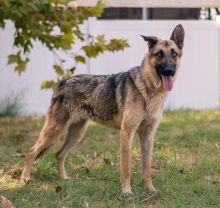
{"x": 197, "y": 85}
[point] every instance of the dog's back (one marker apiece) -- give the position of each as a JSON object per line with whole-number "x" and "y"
{"x": 99, "y": 97}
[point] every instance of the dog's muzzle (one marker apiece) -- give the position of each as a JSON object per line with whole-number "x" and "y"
{"x": 166, "y": 73}
{"x": 169, "y": 70}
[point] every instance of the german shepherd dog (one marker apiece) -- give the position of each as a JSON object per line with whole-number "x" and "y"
{"x": 131, "y": 101}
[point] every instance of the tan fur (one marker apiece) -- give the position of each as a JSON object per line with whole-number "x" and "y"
{"x": 139, "y": 98}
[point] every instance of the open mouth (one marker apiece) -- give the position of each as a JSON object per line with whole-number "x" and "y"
{"x": 167, "y": 82}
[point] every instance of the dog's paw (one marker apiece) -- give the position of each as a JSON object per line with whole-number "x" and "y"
{"x": 66, "y": 178}
{"x": 151, "y": 189}
{"x": 25, "y": 179}
{"x": 126, "y": 190}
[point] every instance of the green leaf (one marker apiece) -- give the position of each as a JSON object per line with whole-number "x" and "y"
{"x": 80, "y": 59}
{"x": 101, "y": 39}
{"x": 48, "y": 84}
{"x": 20, "y": 67}
{"x": 117, "y": 44}
{"x": 12, "y": 59}
{"x": 59, "y": 71}
{"x": 20, "y": 63}
{"x": 55, "y": 27}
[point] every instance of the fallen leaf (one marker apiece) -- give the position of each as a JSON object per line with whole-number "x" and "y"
{"x": 14, "y": 171}
{"x": 87, "y": 169}
{"x": 95, "y": 155}
{"x": 107, "y": 161}
{"x": 161, "y": 146}
{"x": 6, "y": 203}
{"x": 39, "y": 175}
{"x": 18, "y": 136}
{"x": 181, "y": 171}
{"x": 18, "y": 154}
{"x": 216, "y": 182}
{"x": 58, "y": 189}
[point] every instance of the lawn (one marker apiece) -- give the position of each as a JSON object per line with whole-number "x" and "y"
{"x": 186, "y": 164}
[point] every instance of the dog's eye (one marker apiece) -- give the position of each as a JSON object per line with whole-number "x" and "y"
{"x": 174, "y": 54}
{"x": 159, "y": 54}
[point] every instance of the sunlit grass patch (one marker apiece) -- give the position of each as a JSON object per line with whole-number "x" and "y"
{"x": 186, "y": 164}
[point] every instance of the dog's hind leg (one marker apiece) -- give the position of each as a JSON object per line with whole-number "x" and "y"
{"x": 56, "y": 121}
{"x": 75, "y": 134}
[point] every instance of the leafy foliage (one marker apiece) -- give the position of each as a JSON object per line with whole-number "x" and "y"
{"x": 39, "y": 20}
{"x": 20, "y": 63}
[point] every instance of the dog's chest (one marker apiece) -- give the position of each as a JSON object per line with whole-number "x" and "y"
{"x": 154, "y": 107}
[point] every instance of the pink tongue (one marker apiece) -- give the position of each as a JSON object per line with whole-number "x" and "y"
{"x": 167, "y": 83}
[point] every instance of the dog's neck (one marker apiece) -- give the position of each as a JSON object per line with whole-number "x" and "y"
{"x": 150, "y": 78}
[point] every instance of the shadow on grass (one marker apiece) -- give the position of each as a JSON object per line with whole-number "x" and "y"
{"x": 185, "y": 162}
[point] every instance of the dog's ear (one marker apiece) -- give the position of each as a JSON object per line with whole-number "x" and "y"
{"x": 178, "y": 36}
{"x": 151, "y": 40}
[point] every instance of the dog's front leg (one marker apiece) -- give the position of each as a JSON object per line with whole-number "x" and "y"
{"x": 126, "y": 138}
{"x": 146, "y": 134}
{"x": 130, "y": 122}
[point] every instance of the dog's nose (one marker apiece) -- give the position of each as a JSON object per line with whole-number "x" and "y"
{"x": 169, "y": 69}
{"x": 168, "y": 72}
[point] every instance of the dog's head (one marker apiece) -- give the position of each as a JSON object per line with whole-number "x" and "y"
{"x": 164, "y": 56}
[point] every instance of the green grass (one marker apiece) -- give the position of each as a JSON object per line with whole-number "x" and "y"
{"x": 186, "y": 164}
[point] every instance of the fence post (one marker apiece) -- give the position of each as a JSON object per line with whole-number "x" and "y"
{"x": 91, "y": 30}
